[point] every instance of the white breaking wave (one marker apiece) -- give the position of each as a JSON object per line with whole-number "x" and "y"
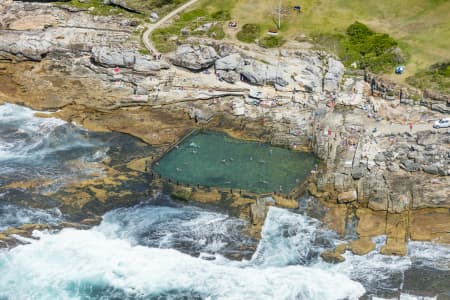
{"x": 57, "y": 265}
{"x": 107, "y": 262}
{"x": 13, "y": 113}
{"x": 376, "y": 271}
{"x": 24, "y": 136}
{"x": 25, "y": 123}
{"x": 438, "y": 258}
{"x": 188, "y": 229}
{"x": 13, "y": 216}
{"x": 289, "y": 238}
{"x": 32, "y": 147}
{"x": 406, "y": 297}
{"x": 375, "y": 267}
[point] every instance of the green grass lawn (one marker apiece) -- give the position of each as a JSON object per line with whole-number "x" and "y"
{"x": 165, "y": 38}
{"x": 100, "y": 9}
{"x": 436, "y": 77}
{"x": 144, "y": 8}
{"x": 161, "y": 7}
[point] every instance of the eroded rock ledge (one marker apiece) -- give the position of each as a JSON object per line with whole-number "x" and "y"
{"x": 392, "y": 179}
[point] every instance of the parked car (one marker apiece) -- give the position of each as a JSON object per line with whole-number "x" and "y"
{"x": 442, "y": 123}
{"x": 255, "y": 94}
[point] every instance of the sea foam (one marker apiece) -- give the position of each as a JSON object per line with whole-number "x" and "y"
{"x": 78, "y": 264}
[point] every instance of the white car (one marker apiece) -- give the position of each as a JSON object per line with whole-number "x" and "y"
{"x": 442, "y": 123}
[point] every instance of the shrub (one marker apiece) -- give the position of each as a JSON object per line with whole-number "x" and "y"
{"x": 442, "y": 69}
{"x": 358, "y": 32}
{"x": 271, "y": 41}
{"x": 222, "y": 15}
{"x": 249, "y": 33}
{"x": 217, "y": 32}
{"x": 373, "y": 51}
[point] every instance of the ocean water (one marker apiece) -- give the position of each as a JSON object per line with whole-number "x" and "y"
{"x": 12, "y": 215}
{"x": 40, "y": 156}
{"x": 148, "y": 252}
{"x": 108, "y": 262}
{"x": 45, "y": 149}
{"x": 188, "y": 229}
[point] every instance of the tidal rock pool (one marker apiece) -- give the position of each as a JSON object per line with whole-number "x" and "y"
{"x": 215, "y": 160}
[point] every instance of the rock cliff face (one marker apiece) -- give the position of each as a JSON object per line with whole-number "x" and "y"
{"x": 24, "y": 37}
{"x": 25, "y": 46}
{"x": 391, "y": 91}
{"x": 302, "y": 71}
{"x": 392, "y": 179}
{"x": 195, "y": 58}
{"x": 333, "y": 76}
{"x": 391, "y": 176}
{"x": 128, "y": 58}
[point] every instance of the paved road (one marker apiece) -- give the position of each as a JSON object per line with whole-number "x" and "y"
{"x": 151, "y": 27}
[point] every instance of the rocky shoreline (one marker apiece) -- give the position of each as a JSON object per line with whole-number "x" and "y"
{"x": 393, "y": 179}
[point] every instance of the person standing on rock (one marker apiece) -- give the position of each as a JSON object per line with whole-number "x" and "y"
{"x": 410, "y": 127}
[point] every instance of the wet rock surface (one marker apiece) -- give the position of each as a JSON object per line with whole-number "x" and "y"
{"x": 426, "y": 282}
{"x": 332, "y": 257}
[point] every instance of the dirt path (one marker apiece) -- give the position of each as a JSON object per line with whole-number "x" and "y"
{"x": 151, "y": 27}
{"x": 384, "y": 127}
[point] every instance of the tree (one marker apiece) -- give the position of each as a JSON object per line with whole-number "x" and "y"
{"x": 278, "y": 13}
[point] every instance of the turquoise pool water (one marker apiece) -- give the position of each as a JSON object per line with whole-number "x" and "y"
{"x": 215, "y": 160}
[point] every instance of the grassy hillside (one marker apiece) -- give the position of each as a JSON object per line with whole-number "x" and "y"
{"x": 161, "y": 7}
{"x": 421, "y": 27}
{"x": 138, "y": 9}
{"x": 165, "y": 38}
{"x": 436, "y": 77}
